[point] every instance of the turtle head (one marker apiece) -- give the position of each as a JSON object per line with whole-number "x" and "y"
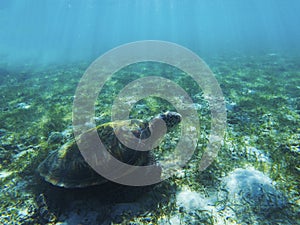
{"x": 171, "y": 118}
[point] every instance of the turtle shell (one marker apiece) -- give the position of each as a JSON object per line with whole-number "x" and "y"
{"x": 66, "y": 167}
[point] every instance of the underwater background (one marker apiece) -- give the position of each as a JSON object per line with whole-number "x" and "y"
{"x": 253, "y": 49}
{"x": 43, "y": 32}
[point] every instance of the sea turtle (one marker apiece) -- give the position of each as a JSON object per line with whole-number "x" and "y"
{"x": 66, "y": 167}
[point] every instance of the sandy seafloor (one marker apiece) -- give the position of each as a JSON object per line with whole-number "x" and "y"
{"x": 254, "y": 180}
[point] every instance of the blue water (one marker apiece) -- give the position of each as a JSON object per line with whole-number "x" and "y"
{"x": 37, "y": 32}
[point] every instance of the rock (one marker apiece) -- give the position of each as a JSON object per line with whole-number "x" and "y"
{"x": 23, "y": 105}
{"x": 190, "y": 200}
{"x": 193, "y": 208}
{"x": 249, "y": 189}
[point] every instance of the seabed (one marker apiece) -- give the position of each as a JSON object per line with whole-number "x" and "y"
{"x": 254, "y": 180}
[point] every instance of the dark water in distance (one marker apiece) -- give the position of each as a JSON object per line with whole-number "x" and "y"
{"x": 58, "y": 31}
